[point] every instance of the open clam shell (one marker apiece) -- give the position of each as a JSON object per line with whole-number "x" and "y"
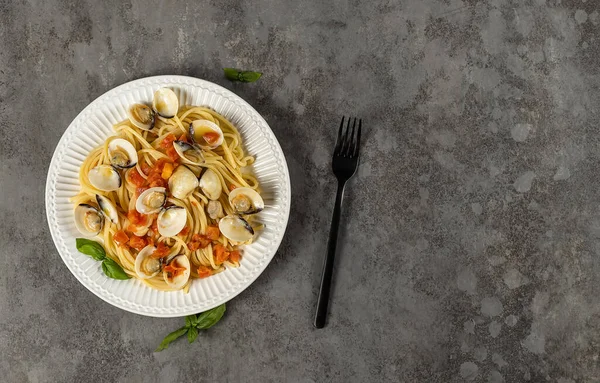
{"x": 236, "y": 228}
{"x": 165, "y": 103}
{"x": 171, "y": 220}
{"x": 145, "y": 265}
{"x": 105, "y": 178}
{"x": 245, "y": 200}
{"x": 89, "y": 221}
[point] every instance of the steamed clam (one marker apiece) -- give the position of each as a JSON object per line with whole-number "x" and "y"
{"x": 177, "y": 271}
{"x": 206, "y": 134}
{"x": 151, "y": 200}
{"x": 145, "y": 265}
{"x": 245, "y": 200}
{"x": 141, "y": 116}
{"x": 182, "y": 182}
{"x": 107, "y": 208}
{"x": 88, "y": 220}
{"x": 122, "y": 154}
{"x": 171, "y": 220}
{"x": 105, "y": 178}
{"x": 236, "y": 228}
{"x": 165, "y": 103}
{"x": 189, "y": 153}
{"x": 214, "y": 209}
{"x": 210, "y": 184}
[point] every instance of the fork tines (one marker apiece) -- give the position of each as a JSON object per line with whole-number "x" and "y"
{"x": 347, "y": 142}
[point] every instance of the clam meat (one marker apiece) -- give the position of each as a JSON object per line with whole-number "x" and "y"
{"x": 245, "y": 200}
{"x": 151, "y": 200}
{"x": 147, "y": 266}
{"x": 122, "y": 154}
{"x": 88, "y": 220}
{"x": 141, "y": 116}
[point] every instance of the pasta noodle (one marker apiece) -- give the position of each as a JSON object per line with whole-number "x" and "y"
{"x": 155, "y": 152}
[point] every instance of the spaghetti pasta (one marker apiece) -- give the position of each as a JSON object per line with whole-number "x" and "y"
{"x": 208, "y": 250}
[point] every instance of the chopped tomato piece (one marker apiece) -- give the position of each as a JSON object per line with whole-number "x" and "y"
{"x": 193, "y": 246}
{"x": 135, "y": 177}
{"x": 155, "y": 180}
{"x": 168, "y": 141}
{"x": 153, "y": 176}
{"x": 160, "y": 163}
{"x": 173, "y": 269}
{"x": 231, "y": 187}
{"x": 132, "y": 228}
{"x": 221, "y": 254}
{"x": 149, "y": 240}
{"x": 234, "y": 256}
{"x": 167, "y": 171}
{"x": 146, "y": 168}
{"x": 136, "y": 218}
{"x": 183, "y": 138}
{"x": 211, "y": 137}
{"x": 172, "y": 153}
{"x": 204, "y": 241}
{"x": 137, "y": 243}
{"x": 161, "y": 251}
{"x": 184, "y": 231}
{"x": 204, "y": 271}
{"x": 121, "y": 238}
{"x": 198, "y": 242}
{"x": 213, "y": 233}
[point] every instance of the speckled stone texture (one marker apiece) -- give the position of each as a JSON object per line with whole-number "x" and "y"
{"x": 470, "y": 248}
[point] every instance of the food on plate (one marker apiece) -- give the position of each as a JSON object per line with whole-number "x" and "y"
{"x": 170, "y": 195}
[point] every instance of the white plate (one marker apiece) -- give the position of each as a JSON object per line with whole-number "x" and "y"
{"x": 94, "y": 124}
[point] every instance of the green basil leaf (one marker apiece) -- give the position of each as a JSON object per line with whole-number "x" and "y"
{"x": 170, "y": 338}
{"x": 241, "y": 76}
{"x": 190, "y": 321}
{"x": 231, "y": 74}
{"x": 192, "y": 334}
{"x": 249, "y": 76}
{"x": 113, "y": 270}
{"x": 91, "y": 248}
{"x": 209, "y": 318}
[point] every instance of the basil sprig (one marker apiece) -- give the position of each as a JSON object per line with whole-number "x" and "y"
{"x": 209, "y": 318}
{"x": 97, "y": 252}
{"x": 91, "y": 248}
{"x": 113, "y": 270}
{"x": 241, "y": 75}
{"x": 194, "y": 323}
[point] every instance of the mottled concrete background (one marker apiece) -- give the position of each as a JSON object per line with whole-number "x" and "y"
{"x": 472, "y": 231}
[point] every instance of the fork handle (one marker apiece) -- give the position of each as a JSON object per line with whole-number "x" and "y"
{"x": 323, "y": 300}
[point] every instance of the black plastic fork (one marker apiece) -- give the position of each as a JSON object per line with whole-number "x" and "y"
{"x": 344, "y": 164}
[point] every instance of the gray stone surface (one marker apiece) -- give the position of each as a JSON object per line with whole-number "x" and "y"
{"x": 471, "y": 240}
